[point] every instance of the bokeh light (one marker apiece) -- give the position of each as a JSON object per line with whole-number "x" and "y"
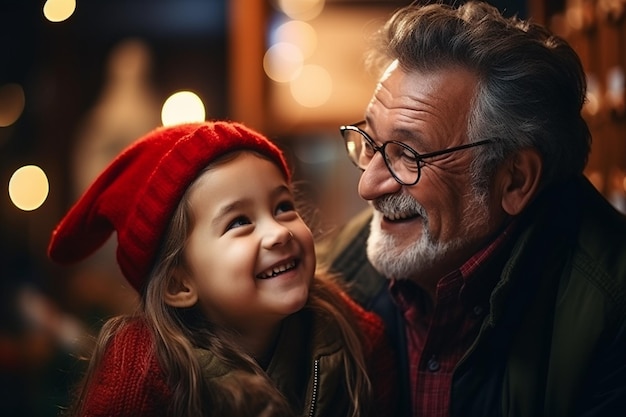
{"x": 59, "y": 10}
{"x": 283, "y": 62}
{"x": 182, "y": 107}
{"x": 28, "y": 187}
{"x": 313, "y": 87}
{"x": 301, "y": 9}
{"x": 299, "y": 33}
{"x": 12, "y": 101}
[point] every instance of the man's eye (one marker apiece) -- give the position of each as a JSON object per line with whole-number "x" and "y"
{"x": 408, "y": 157}
{"x": 368, "y": 149}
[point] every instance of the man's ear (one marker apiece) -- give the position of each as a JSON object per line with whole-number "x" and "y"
{"x": 520, "y": 180}
{"x": 181, "y": 292}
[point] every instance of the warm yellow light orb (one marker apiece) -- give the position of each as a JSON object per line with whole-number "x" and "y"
{"x": 28, "y": 187}
{"x": 313, "y": 87}
{"x": 283, "y": 62}
{"x": 59, "y": 10}
{"x": 182, "y": 107}
{"x": 302, "y": 9}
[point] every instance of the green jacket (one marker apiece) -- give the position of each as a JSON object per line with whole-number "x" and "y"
{"x": 307, "y": 365}
{"x": 554, "y": 341}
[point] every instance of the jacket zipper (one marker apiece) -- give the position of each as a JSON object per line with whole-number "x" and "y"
{"x": 316, "y": 381}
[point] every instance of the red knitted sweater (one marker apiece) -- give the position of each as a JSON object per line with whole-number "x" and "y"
{"x": 130, "y": 382}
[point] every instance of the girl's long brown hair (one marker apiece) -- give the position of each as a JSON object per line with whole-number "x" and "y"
{"x": 176, "y": 332}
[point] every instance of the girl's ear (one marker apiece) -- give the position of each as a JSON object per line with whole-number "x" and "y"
{"x": 181, "y": 292}
{"x": 520, "y": 180}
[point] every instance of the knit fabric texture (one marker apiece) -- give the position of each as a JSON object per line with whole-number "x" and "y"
{"x": 129, "y": 381}
{"x": 138, "y": 192}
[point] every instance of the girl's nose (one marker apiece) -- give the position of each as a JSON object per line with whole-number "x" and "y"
{"x": 376, "y": 180}
{"x": 277, "y": 235}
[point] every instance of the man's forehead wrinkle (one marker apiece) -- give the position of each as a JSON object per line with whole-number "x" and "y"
{"x": 408, "y": 106}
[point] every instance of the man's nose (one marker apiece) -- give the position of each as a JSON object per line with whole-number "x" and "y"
{"x": 376, "y": 180}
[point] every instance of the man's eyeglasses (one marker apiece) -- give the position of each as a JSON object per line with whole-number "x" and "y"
{"x": 403, "y": 162}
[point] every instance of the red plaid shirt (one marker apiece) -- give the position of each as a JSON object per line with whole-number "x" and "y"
{"x": 439, "y": 335}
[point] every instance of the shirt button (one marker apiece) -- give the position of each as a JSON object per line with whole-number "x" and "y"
{"x": 433, "y": 365}
{"x": 478, "y": 311}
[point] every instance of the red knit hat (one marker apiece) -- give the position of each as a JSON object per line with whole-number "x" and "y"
{"x": 137, "y": 193}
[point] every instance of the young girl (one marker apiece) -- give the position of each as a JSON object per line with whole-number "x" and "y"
{"x": 233, "y": 320}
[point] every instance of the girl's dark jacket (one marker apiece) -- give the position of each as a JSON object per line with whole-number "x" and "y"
{"x": 306, "y": 366}
{"x": 554, "y": 341}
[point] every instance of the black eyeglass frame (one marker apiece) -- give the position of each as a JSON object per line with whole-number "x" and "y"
{"x": 419, "y": 158}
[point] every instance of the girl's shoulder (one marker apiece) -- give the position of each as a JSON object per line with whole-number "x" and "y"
{"x": 133, "y": 331}
{"x": 128, "y": 377}
{"x": 131, "y": 345}
{"x": 369, "y": 322}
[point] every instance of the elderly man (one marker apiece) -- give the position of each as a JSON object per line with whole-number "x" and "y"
{"x": 504, "y": 270}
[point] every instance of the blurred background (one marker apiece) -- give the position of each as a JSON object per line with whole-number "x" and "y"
{"x": 80, "y": 80}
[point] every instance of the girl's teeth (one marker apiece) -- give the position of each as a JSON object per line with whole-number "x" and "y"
{"x": 277, "y": 270}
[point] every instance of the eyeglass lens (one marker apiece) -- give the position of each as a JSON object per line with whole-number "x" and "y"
{"x": 400, "y": 161}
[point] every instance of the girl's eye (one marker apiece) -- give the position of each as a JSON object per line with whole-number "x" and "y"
{"x": 238, "y": 222}
{"x": 285, "y": 206}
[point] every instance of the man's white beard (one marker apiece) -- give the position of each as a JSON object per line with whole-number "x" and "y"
{"x": 392, "y": 260}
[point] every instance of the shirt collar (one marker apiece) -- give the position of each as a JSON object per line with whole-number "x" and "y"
{"x": 476, "y": 285}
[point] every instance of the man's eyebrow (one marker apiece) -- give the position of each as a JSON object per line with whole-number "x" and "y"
{"x": 399, "y": 134}
{"x": 409, "y": 136}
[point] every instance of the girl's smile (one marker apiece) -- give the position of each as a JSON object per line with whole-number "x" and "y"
{"x": 249, "y": 257}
